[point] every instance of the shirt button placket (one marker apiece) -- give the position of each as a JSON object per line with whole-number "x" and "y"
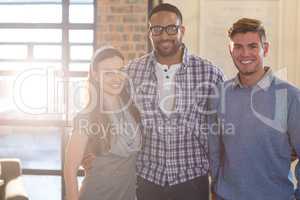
{"x": 168, "y": 149}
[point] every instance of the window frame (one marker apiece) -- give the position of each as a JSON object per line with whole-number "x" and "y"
{"x": 66, "y": 74}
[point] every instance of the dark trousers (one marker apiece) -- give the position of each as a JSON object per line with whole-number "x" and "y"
{"x": 196, "y": 189}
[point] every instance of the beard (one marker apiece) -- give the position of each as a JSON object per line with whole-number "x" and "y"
{"x": 168, "y": 50}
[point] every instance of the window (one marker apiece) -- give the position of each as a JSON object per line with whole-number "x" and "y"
{"x": 45, "y": 52}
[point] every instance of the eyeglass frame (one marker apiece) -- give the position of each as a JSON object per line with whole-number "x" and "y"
{"x": 165, "y": 28}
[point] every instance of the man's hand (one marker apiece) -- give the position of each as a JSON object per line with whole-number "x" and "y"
{"x": 87, "y": 162}
{"x": 294, "y": 156}
{"x": 213, "y": 196}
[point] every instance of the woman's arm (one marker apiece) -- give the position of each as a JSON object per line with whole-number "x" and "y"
{"x": 73, "y": 156}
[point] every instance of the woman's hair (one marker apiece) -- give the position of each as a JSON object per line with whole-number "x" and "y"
{"x": 98, "y": 122}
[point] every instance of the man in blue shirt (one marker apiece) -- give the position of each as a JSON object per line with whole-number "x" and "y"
{"x": 256, "y": 124}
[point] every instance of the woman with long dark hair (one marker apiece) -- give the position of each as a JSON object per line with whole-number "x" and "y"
{"x": 108, "y": 127}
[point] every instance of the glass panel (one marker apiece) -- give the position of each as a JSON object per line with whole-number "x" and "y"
{"x": 81, "y": 52}
{"x": 32, "y": 91}
{"x": 79, "y": 66}
{"x": 81, "y": 13}
{"x": 13, "y": 52}
{"x": 78, "y": 96}
{"x": 47, "y": 52}
{"x": 20, "y": 66}
{"x": 31, "y": 13}
{"x": 81, "y": 36}
{"x": 81, "y": 1}
{"x": 30, "y": 35}
{"x": 37, "y": 147}
{"x": 6, "y": 103}
{"x": 30, "y": 1}
{"x": 32, "y": 94}
{"x": 43, "y": 187}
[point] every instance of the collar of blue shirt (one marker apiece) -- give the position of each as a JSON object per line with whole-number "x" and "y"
{"x": 264, "y": 83}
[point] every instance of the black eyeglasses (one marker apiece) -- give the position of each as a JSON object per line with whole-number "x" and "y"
{"x": 170, "y": 29}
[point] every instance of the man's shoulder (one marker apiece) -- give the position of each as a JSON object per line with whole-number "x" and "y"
{"x": 191, "y": 58}
{"x": 205, "y": 65}
{"x": 287, "y": 85}
{"x": 226, "y": 85}
{"x": 138, "y": 68}
{"x": 196, "y": 61}
{"x": 139, "y": 61}
{"x": 230, "y": 81}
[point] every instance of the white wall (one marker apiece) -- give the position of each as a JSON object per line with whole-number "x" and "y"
{"x": 207, "y": 22}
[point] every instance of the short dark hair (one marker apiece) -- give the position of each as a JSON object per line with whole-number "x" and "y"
{"x": 166, "y": 7}
{"x": 245, "y": 25}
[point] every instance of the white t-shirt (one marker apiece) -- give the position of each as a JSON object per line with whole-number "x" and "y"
{"x": 166, "y": 86}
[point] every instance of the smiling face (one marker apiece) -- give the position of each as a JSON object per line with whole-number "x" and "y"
{"x": 248, "y": 52}
{"x": 110, "y": 75}
{"x": 166, "y": 45}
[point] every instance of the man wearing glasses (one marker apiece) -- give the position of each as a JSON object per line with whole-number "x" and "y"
{"x": 172, "y": 88}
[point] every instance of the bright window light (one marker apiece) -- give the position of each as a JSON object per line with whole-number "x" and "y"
{"x": 13, "y": 51}
{"x": 78, "y": 95}
{"x": 86, "y": 13}
{"x": 47, "y": 52}
{"x": 30, "y": 35}
{"x": 39, "y": 45}
{"x": 81, "y": 1}
{"x": 33, "y": 1}
{"x": 80, "y": 36}
{"x": 20, "y": 66}
{"x": 33, "y": 92}
{"x": 28, "y": 13}
{"x": 81, "y": 52}
{"x": 79, "y": 66}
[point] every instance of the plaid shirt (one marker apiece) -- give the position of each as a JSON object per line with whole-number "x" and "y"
{"x": 174, "y": 148}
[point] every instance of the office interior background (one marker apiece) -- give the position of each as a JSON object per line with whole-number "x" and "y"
{"x": 45, "y": 51}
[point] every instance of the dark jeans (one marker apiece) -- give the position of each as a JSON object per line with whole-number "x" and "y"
{"x": 196, "y": 189}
